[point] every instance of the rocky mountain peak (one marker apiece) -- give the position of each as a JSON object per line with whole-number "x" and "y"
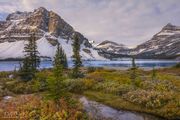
{"x": 40, "y": 21}
{"x": 50, "y": 30}
{"x": 17, "y": 15}
{"x": 164, "y": 44}
{"x": 170, "y": 26}
{"x": 108, "y": 42}
{"x": 41, "y": 9}
{"x": 110, "y": 49}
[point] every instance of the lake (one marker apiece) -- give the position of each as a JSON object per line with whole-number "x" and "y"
{"x": 12, "y": 65}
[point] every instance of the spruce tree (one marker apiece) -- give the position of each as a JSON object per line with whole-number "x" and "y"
{"x": 60, "y": 57}
{"x": 58, "y": 62}
{"x": 65, "y": 62}
{"x": 153, "y": 73}
{"x": 31, "y": 61}
{"x": 76, "y": 57}
{"x": 133, "y": 71}
{"x": 56, "y": 82}
{"x": 133, "y": 63}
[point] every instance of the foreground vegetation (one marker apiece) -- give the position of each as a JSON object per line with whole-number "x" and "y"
{"x": 50, "y": 99}
{"x": 35, "y": 107}
{"x": 33, "y": 99}
{"x": 159, "y": 96}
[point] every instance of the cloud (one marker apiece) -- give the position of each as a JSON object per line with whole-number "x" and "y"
{"x": 124, "y": 21}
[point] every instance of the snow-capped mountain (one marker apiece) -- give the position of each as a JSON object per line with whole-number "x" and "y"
{"x": 111, "y": 46}
{"x": 50, "y": 29}
{"x": 165, "y": 44}
{"x": 109, "y": 49}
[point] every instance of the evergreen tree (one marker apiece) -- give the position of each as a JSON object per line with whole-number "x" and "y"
{"x": 60, "y": 57}
{"x": 133, "y": 71}
{"x": 133, "y": 63}
{"x": 65, "y": 62}
{"x": 153, "y": 73}
{"x": 56, "y": 82}
{"x": 31, "y": 61}
{"x": 58, "y": 62}
{"x": 76, "y": 57}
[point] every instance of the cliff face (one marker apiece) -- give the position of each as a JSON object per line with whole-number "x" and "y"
{"x": 19, "y": 25}
{"x": 49, "y": 29}
{"x": 165, "y": 44}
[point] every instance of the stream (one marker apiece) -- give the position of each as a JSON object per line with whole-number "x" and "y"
{"x": 99, "y": 111}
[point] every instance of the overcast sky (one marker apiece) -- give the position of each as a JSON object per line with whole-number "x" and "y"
{"x": 130, "y": 22}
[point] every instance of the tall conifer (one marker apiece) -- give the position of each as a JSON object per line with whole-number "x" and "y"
{"x": 76, "y": 57}
{"x": 56, "y": 82}
{"x": 133, "y": 71}
{"x": 31, "y": 61}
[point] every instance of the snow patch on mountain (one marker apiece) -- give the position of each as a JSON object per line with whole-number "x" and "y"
{"x": 91, "y": 55}
{"x": 49, "y": 29}
{"x": 11, "y": 49}
{"x": 164, "y": 44}
{"x": 15, "y": 49}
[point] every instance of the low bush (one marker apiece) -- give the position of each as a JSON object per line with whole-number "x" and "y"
{"x": 4, "y": 74}
{"x": 33, "y": 107}
{"x": 40, "y": 83}
{"x": 95, "y": 76}
{"x": 91, "y": 69}
{"x": 20, "y": 87}
{"x": 79, "y": 85}
{"x": 75, "y": 85}
{"x": 149, "y": 99}
{"x": 177, "y": 65}
{"x": 123, "y": 89}
{"x": 158, "y": 85}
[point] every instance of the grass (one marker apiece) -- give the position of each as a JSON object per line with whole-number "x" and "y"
{"x": 34, "y": 106}
{"x": 159, "y": 96}
{"x": 121, "y": 104}
{"x": 30, "y": 100}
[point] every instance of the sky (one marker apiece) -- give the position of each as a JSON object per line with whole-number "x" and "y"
{"x": 130, "y": 22}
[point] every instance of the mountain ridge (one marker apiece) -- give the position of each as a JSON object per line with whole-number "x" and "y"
{"x": 50, "y": 29}
{"x": 163, "y": 45}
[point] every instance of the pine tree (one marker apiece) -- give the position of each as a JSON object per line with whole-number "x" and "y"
{"x": 31, "y": 61}
{"x": 133, "y": 63}
{"x": 65, "y": 62}
{"x": 76, "y": 57}
{"x": 55, "y": 83}
{"x": 153, "y": 73}
{"x": 133, "y": 71}
{"x": 60, "y": 57}
{"x": 58, "y": 62}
